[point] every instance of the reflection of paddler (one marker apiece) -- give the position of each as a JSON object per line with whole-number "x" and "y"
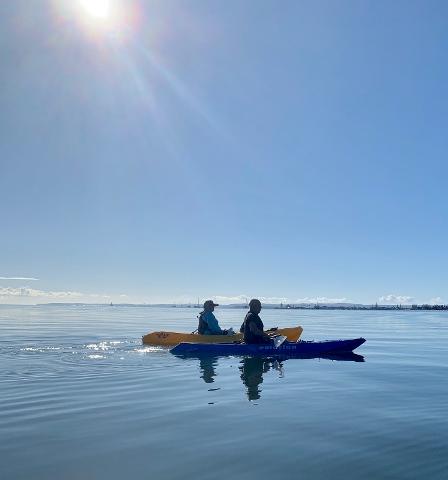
{"x": 252, "y": 369}
{"x": 207, "y": 366}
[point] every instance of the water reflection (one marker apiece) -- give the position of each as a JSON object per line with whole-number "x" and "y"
{"x": 207, "y": 367}
{"x": 252, "y": 369}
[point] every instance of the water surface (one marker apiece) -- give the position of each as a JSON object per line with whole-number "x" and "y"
{"x": 81, "y": 397}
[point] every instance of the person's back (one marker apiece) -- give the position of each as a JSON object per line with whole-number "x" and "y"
{"x": 252, "y": 327}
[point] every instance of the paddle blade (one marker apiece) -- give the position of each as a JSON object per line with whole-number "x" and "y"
{"x": 279, "y": 340}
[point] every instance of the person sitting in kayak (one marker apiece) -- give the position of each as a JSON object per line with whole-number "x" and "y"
{"x": 208, "y": 325}
{"x": 252, "y": 327}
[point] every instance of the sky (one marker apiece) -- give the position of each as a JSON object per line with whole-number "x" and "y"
{"x": 165, "y": 151}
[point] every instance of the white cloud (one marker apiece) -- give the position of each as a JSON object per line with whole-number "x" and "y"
{"x": 246, "y": 298}
{"x": 222, "y": 299}
{"x": 26, "y": 294}
{"x": 396, "y": 299}
{"x": 273, "y": 299}
{"x": 19, "y": 278}
{"x": 321, "y": 300}
{"x": 228, "y": 299}
{"x": 436, "y": 301}
{"x": 231, "y": 298}
{"x": 31, "y": 292}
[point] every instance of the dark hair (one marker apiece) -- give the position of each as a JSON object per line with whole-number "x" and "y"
{"x": 254, "y": 302}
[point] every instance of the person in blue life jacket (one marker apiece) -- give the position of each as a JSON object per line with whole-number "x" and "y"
{"x": 252, "y": 327}
{"x": 208, "y": 325}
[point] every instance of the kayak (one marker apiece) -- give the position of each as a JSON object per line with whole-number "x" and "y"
{"x": 300, "y": 348}
{"x": 289, "y": 348}
{"x": 173, "y": 338}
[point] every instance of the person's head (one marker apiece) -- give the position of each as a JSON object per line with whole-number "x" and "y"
{"x": 255, "y": 306}
{"x": 209, "y": 305}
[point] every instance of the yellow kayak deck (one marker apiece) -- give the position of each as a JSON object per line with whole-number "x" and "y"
{"x": 173, "y": 338}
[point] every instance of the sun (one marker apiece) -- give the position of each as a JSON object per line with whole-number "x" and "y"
{"x": 99, "y": 9}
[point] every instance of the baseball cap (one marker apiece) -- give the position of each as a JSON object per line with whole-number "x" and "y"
{"x": 210, "y": 303}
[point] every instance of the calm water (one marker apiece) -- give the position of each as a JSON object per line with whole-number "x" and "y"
{"x": 82, "y": 398}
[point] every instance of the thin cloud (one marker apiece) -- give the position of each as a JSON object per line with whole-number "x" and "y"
{"x": 25, "y": 292}
{"x": 32, "y": 292}
{"x": 245, "y": 298}
{"x": 396, "y": 299}
{"x": 19, "y": 278}
{"x": 321, "y": 300}
{"x": 228, "y": 299}
{"x": 436, "y": 301}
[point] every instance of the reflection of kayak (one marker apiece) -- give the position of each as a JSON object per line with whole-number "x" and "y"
{"x": 173, "y": 338}
{"x": 287, "y": 348}
{"x": 337, "y": 357}
{"x": 343, "y": 357}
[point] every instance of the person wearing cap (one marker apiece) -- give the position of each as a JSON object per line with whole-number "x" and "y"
{"x": 208, "y": 325}
{"x": 252, "y": 327}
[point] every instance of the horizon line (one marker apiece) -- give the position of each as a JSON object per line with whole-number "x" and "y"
{"x": 283, "y": 305}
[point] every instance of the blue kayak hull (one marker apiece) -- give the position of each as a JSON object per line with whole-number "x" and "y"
{"x": 287, "y": 348}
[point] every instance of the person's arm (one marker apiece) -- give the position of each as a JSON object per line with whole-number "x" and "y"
{"x": 212, "y": 324}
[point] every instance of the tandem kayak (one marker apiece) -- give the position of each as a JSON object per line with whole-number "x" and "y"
{"x": 300, "y": 348}
{"x": 167, "y": 339}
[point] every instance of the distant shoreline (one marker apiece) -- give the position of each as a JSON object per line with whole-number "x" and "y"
{"x": 301, "y": 306}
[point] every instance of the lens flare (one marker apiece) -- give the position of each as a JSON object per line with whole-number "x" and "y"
{"x": 99, "y": 9}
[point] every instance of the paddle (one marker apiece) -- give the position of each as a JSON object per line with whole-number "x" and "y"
{"x": 279, "y": 340}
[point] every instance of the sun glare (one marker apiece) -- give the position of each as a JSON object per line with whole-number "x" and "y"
{"x": 99, "y": 9}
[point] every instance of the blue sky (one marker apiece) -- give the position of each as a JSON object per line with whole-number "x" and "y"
{"x": 174, "y": 150}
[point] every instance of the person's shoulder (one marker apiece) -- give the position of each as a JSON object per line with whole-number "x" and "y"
{"x": 251, "y": 316}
